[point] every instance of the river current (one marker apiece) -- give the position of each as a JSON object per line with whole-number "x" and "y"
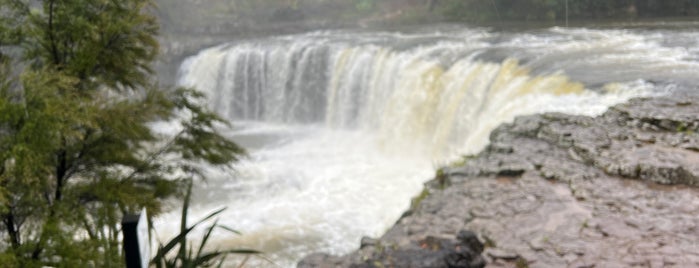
{"x": 343, "y": 127}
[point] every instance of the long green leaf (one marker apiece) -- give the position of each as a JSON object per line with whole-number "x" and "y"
{"x": 206, "y": 238}
{"x": 229, "y": 229}
{"x": 201, "y": 260}
{"x": 182, "y": 236}
{"x": 242, "y": 251}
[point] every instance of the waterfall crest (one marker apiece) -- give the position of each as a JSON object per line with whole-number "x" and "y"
{"x": 436, "y": 96}
{"x": 344, "y": 127}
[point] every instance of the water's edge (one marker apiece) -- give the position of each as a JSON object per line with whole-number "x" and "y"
{"x": 559, "y": 190}
{"x": 345, "y": 126}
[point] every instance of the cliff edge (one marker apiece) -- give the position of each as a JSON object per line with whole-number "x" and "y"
{"x": 556, "y": 190}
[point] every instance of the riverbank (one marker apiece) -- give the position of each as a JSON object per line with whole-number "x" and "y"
{"x": 557, "y": 190}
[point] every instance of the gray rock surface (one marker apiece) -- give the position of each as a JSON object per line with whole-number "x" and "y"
{"x": 463, "y": 252}
{"x": 555, "y": 190}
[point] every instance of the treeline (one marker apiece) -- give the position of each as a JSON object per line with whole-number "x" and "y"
{"x": 197, "y": 15}
{"x": 228, "y": 14}
{"x": 488, "y": 10}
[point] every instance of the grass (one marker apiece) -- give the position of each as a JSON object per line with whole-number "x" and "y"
{"x": 188, "y": 256}
{"x": 415, "y": 202}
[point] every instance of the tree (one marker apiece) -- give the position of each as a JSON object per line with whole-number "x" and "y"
{"x": 77, "y": 147}
{"x": 475, "y": 10}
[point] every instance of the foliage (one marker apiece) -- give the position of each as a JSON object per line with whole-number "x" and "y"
{"x": 77, "y": 150}
{"x": 415, "y": 202}
{"x": 476, "y": 10}
{"x": 236, "y": 16}
{"x": 186, "y": 257}
{"x": 226, "y": 15}
{"x": 364, "y": 5}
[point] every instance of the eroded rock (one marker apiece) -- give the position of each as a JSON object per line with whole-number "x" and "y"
{"x": 553, "y": 190}
{"x": 463, "y": 251}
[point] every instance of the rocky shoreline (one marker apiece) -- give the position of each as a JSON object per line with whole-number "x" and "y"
{"x": 556, "y": 190}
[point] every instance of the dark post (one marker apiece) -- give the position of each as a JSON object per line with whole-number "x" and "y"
{"x": 136, "y": 240}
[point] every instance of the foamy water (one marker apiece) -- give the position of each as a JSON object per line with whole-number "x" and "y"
{"x": 344, "y": 127}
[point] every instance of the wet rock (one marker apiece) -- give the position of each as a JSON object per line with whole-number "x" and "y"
{"x": 320, "y": 260}
{"x": 502, "y": 255}
{"x": 470, "y": 240}
{"x": 554, "y": 190}
{"x": 462, "y": 252}
{"x": 368, "y": 242}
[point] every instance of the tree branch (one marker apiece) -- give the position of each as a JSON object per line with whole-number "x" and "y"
{"x": 52, "y": 38}
{"x": 12, "y": 229}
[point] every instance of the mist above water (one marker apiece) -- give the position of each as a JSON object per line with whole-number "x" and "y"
{"x": 343, "y": 127}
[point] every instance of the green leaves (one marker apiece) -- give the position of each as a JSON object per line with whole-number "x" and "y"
{"x": 13, "y": 18}
{"x": 557, "y": 9}
{"x": 364, "y": 5}
{"x": 103, "y": 43}
{"x": 77, "y": 145}
{"x": 186, "y": 256}
{"x": 199, "y": 139}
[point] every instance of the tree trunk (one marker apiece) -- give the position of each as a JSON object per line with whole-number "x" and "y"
{"x": 431, "y": 4}
{"x": 12, "y": 229}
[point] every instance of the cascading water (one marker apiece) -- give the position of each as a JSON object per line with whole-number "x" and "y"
{"x": 344, "y": 127}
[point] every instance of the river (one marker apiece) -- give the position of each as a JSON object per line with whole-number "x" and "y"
{"x": 344, "y": 126}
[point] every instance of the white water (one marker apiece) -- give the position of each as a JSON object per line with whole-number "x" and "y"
{"x": 344, "y": 127}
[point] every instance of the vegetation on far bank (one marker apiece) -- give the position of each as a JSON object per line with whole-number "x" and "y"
{"x": 224, "y": 15}
{"x": 549, "y": 10}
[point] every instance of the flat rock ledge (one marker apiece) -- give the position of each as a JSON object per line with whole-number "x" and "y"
{"x": 555, "y": 190}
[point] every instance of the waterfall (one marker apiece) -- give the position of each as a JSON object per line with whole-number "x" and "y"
{"x": 343, "y": 127}
{"x": 435, "y": 96}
